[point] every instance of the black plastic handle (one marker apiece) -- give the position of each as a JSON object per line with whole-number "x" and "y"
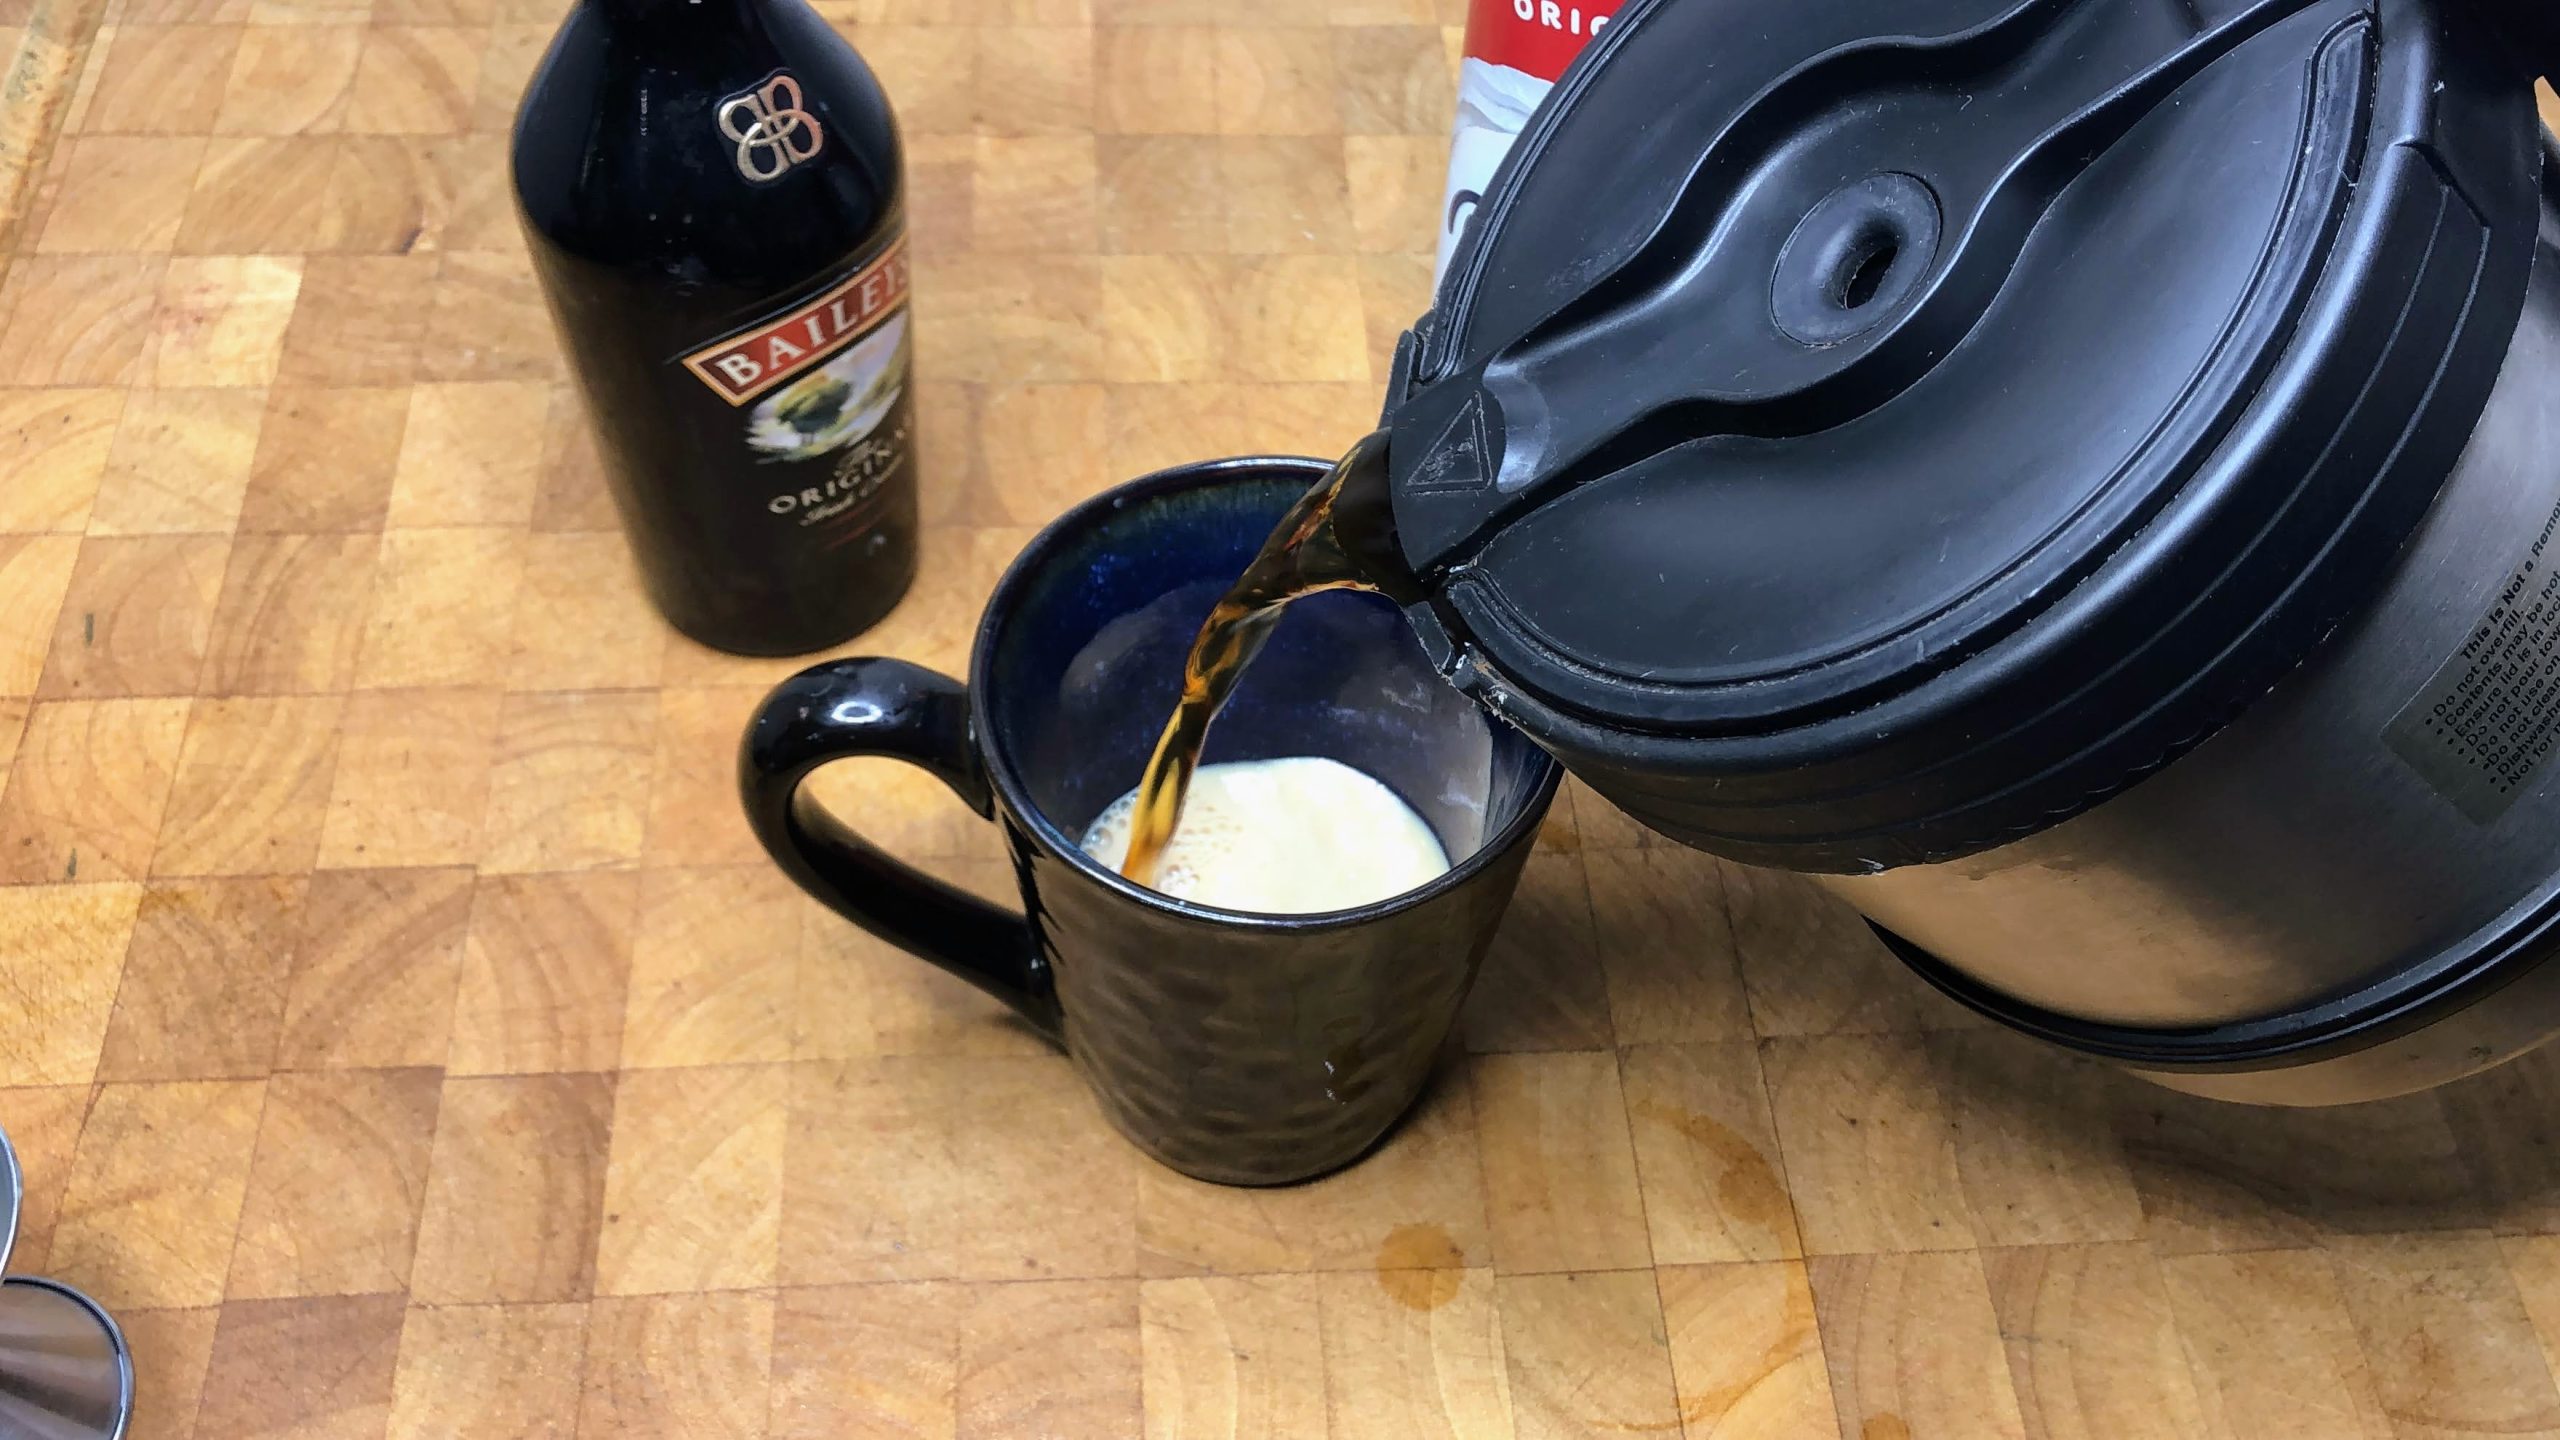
{"x": 889, "y": 708}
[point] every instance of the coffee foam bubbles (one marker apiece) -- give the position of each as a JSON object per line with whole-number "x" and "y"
{"x": 1299, "y": 836}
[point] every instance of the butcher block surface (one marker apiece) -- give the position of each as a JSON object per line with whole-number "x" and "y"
{"x": 404, "y": 1037}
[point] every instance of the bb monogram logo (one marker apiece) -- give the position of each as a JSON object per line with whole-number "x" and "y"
{"x": 771, "y": 130}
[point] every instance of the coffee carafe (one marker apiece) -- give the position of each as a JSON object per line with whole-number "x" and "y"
{"x": 2077, "y": 477}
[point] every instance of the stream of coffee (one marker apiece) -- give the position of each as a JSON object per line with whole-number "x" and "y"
{"x": 1306, "y": 554}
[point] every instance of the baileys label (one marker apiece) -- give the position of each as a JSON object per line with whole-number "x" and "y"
{"x": 752, "y": 362}
{"x": 823, "y": 391}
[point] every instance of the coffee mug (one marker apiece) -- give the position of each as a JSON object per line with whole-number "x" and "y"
{"x": 1242, "y": 1048}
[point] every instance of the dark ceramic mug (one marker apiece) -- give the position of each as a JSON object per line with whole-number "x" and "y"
{"x": 1245, "y": 1049}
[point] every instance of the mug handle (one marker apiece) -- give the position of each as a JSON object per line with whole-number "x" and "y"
{"x": 846, "y": 708}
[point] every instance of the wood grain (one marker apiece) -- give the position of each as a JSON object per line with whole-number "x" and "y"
{"x": 2452, "y": 1345}
{"x": 203, "y": 985}
{"x": 2093, "y": 1346}
{"x": 375, "y": 969}
{"x": 1050, "y": 1358}
{"x": 402, "y": 1030}
{"x": 1400, "y": 1362}
{"x": 62, "y": 977}
{"x": 867, "y": 1360}
{"x": 86, "y": 789}
{"x": 1560, "y": 1169}
{"x": 2036, "y": 1141}
{"x": 1746, "y": 1350}
{"x": 318, "y": 1368}
{"x": 1864, "y": 1128}
{"x": 180, "y": 463}
{"x": 489, "y": 1370}
{"x": 515, "y": 1190}
{"x": 1666, "y": 947}
{"x": 1914, "y": 1346}
{"x": 1235, "y": 1357}
{"x": 929, "y": 1167}
{"x": 544, "y": 971}
{"x": 251, "y": 788}
{"x": 56, "y": 452}
{"x": 152, "y": 1207}
{"x": 135, "y": 618}
{"x": 678, "y": 1367}
{"x": 1587, "y": 1353}
{"x": 692, "y": 1193}
{"x": 171, "y": 1387}
{"x": 335, "y": 1187}
{"x": 2271, "y": 1346}
{"x": 1708, "y": 1154}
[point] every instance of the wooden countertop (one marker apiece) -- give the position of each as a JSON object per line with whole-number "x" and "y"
{"x": 404, "y": 1038}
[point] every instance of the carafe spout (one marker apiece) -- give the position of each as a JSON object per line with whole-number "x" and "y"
{"x": 1363, "y": 524}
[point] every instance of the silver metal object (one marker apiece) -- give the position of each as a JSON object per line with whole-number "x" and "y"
{"x": 2295, "y": 856}
{"x": 13, "y": 1189}
{"x": 65, "y": 1373}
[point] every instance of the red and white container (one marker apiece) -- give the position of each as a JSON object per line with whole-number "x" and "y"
{"x": 1515, "y": 51}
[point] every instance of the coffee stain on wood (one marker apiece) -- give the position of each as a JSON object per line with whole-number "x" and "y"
{"x": 1884, "y": 1426}
{"x": 1793, "y": 1346}
{"x": 1420, "y": 1267}
{"x": 1747, "y": 1186}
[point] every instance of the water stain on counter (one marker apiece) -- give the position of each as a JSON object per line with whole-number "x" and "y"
{"x": 1420, "y": 1267}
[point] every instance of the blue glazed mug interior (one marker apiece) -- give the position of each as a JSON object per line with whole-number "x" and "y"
{"x": 1081, "y": 660}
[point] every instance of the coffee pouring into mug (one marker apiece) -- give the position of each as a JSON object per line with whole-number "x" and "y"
{"x": 1237, "y": 1045}
{"x": 2072, "y": 477}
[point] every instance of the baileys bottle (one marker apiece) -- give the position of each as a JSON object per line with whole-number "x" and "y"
{"x": 713, "y": 195}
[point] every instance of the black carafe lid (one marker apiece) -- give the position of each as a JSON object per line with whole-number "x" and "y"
{"x": 1859, "y": 433}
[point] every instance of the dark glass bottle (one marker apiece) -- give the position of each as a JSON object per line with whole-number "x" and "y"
{"x": 713, "y": 195}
